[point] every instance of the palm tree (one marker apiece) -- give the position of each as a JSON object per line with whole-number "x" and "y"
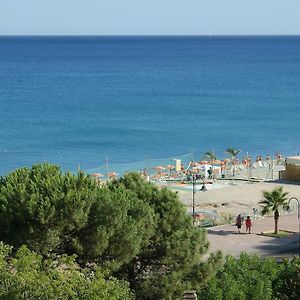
{"x": 212, "y": 157}
{"x": 233, "y": 153}
{"x": 273, "y": 201}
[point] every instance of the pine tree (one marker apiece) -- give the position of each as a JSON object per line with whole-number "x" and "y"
{"x": 171, "y": 261}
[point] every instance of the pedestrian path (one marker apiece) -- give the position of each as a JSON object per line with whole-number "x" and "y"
{"x": 227, "y": 239}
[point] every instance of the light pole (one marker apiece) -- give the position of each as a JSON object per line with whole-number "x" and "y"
{"x": 194, "y": 192}
{"x": 294, "y": 198}
{"x": 203, "y": 189}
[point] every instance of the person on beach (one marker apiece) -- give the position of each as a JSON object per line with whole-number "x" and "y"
{"x": 248, "y": 224}
{"x": 238, "y": 223}
{"x": 210, "y": 172}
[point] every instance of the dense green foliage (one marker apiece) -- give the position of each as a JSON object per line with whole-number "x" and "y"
{"x": 44, "y": 208}
{"x": 252, "y": 277}
{"x": 28, "y": 276}
{"x": 287, "y": 285}
{"x": 274, "y": 200}
{"x": 84, "y": 241}
{"x": 170, "y": 262}
{"x": 129, "y": 228}
{"x": 52, "y": 212}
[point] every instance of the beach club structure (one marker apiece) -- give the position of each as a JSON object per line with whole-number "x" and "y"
{"x": 292, "y": 169}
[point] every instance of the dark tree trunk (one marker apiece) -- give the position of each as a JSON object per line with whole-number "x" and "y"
{"x": 276, "y": 218}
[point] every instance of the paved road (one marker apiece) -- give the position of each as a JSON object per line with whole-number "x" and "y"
{"x": 226, "y": 238}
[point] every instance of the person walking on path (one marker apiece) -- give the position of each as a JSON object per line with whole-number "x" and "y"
{"x": 238, "y": 223}
{"x": 248, "y": 224}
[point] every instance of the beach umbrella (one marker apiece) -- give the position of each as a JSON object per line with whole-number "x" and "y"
{"x": 112, "y": 174}
{"x": 217, "y": 162}
{"x": 170, "y": 167}
{"x": 159, "y": 168}
{"x": 97, "y": 175}
{"x": 203, "y": 162}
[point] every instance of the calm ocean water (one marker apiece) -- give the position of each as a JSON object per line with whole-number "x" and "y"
{"x": 76, "y": 100}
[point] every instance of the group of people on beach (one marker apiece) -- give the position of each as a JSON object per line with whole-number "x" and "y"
{"x": 247, "y": 160}
{"x": 239, "y": 222}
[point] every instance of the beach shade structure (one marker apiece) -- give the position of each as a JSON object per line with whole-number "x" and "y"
{"x": 97, "y": 175}
{"x": 112, "y": 175}
{"x": 217, "y": 162}
{"x": 170, "y": 167}
{"x": 159, "y": 168}
{"x": 203, "y": 162}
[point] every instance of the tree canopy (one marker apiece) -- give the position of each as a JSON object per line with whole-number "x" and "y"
{"x": 171, "y": 261}
{"x": 253, "y": 277}
{"x": 130, "y": 228}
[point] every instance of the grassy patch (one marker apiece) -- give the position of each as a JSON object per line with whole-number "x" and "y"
{"x": 281, "y": 233}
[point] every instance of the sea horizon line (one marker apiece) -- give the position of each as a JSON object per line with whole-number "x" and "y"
{"x": 155, "y": 35}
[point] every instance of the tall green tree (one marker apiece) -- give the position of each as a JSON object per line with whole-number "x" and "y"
{"x": 273, "y": 201}
{"x": 171, "y": 261}
{"x": 118, "y": 227}
{"x": 44, "y": 208}
{"x": 58, "y": 213}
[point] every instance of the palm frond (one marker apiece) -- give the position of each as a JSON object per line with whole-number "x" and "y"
{"x": 265, "y": 210}
{"x": 273, "y": 200}
{"x": 211, "y": 155}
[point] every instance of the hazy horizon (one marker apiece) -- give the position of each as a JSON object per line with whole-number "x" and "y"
{"x": 143, "y": 18}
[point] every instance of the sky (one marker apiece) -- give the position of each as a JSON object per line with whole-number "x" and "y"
{"x": 149, "y": 17}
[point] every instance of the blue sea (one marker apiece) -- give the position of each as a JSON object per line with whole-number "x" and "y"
{"x": 80, "y": 101}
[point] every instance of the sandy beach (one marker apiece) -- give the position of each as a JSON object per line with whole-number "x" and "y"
{"x": 234, "y": 196}
{"x": 241, "y": 198}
